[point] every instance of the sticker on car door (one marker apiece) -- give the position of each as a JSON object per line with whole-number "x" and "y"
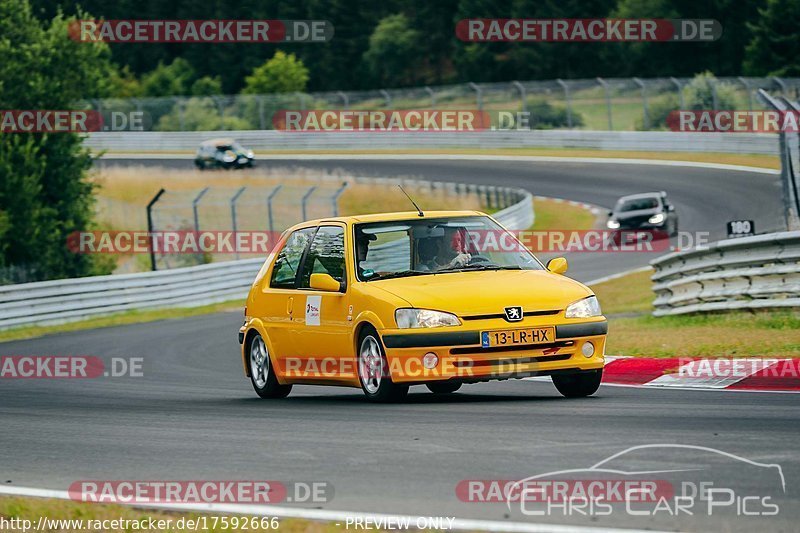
{"x": 313, "y": 305}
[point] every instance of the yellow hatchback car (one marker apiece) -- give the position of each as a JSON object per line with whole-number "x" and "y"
{"x": 383, "y": 302}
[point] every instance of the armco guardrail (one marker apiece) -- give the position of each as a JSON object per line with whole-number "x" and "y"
{"x": 664, "y": 141}
{"x": 746, "y": 273}
{"x": 68, "y": 300}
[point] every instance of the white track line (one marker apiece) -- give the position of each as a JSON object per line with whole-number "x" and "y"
{"x": 469, "y": 157}
{"x": 337, "y": 517}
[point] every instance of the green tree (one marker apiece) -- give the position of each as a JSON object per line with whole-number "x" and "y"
{"x": 283, "y": 73}
{"x": 169, "y": 80}
{"x": 44, "y": 191}
{"x": 775, "y": 46}
{"x": 393, "y": 56}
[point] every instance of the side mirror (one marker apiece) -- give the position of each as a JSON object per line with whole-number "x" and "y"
{"x": 324, "y": 282}
{"x": 611, "y": 214}
{"x": 670, "y": 207}
{"x": 557, "y": 265}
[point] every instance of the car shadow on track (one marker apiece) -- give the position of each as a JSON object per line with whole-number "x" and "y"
{"x": 420, "y": 398}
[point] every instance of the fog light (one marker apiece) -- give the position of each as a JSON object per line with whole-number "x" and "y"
{"x": 587, "y": 349}
{"x": 430, "y": 360}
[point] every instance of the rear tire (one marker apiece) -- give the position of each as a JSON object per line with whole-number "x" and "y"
{"x": 373, "y": 370}
{"x": 444, "y": 387}
{"x": 262, "y": 375}
{"x": 578, "y": 385}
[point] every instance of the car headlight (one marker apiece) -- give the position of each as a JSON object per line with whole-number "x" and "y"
{"x": 588, "y": 307}
{"x": 229, "y": 157}
{"x": 424, "y": 318}
{"x": 656, "y": 219}
{"x": 249, "y": 154}
{"x": 612, "y": 224}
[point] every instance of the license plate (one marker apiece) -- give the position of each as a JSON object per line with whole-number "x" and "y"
{"x": 516, "y": 337}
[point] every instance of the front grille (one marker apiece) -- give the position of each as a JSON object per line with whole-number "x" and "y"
{"x": 503, "y": 316}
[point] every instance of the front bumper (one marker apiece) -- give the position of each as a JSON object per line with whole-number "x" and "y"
{"x": 462, "y": 358}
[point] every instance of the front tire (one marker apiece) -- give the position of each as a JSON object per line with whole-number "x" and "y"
{"x": 444, "y": 387}
{"x": 578, "y": 385}
{"x": 262, "y": 375}
{"x": 373, "y": 371}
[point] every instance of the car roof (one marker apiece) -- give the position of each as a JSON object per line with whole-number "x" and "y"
{"x": 390, "y": 217}
{"x": 217, "y": 142}
{"x": 659, "y": 194}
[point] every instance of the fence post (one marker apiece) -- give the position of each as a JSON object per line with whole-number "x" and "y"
{"x": 150, "y": 228}
{"x": 679, "y": 86}
{"x": 218, "y": 102}
{"x": 302, "y": 99}
{"x": 335, "y": 199}
{"x": 641, "y": 84}
{"x": 345, "y": 99}
{"x": 195, "y": 203}
{"x": 568, "y": 99}
{"x": 432, "y": 94}
{"x": 386, "y": 98}
{"x": 269, "y": 208}
{"x": 522, "y": 95}
{"x": 746, "y": 84}
{"x": 478, "y": 95}
{"x": 781, "y": 84}
{"x": 233, "y": 215}
{"x": 306, "y": 196}
{"x": 261, "y": 121}
{"x": 602, "y": 82}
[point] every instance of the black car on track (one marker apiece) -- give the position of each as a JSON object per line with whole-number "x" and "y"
{"x": 223, "y": 153}
{"x": 647, "y": 211}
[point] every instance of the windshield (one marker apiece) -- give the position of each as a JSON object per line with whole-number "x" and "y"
{"x": 436, "y": 246}
{"x": 638, "y": 204}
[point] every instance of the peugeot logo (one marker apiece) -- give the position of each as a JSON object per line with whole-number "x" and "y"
{"x": 513, "y": 314}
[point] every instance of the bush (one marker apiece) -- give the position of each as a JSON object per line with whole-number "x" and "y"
{"x": 546, "y": 116}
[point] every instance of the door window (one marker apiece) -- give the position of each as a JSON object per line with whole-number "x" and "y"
{"x": 284, "y": 273}
{"x": 325, "y": 256}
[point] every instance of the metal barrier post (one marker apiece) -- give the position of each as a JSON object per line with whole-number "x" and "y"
{"x": 194, "y": 208}
{"x": 432, "y": 94}
{"x": 269, "y": 208}
{"x": 478, "y": 95}
{"x": 746, "y": 84}
{"x": 233, "y": 214}
{"x": 150, "y": 228}
{"x": 568, "y": 99}
{"x": 335, "y": 199}
{"x": 603, "y": 82}
{"x": 522, "y": 95}
{"x": 679, "y": 85}
{"x": 641, "y": 84}
{"x": 306, "y": 196}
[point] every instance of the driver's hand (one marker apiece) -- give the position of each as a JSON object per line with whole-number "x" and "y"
{"x": 460, "y": 261}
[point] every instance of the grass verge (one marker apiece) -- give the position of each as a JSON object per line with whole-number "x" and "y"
{"x": 731, "y": 334}
{"x": 61, "y": 510}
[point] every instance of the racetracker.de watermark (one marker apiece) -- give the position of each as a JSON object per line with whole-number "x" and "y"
{"x": 382, "y": 120}
{"x": 201, "y": 491}
{"x": 588, "y": 30}
{"x": 734, "y": 121}
{"x": 201, "y": 31}
{"x": 172, "y": 242}
{"x": 69, "y": 367}
{"x": 71, "y": 121}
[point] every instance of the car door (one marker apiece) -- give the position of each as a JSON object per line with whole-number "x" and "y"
{"x": 280, "y": 298}
{"x": 323, "y": 323}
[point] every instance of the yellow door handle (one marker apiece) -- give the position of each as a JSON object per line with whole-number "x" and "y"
{"x": 289, "y": 303}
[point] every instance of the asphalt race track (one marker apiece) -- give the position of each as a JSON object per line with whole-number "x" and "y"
{"x": 705, "y": 199}
{"x": 194, "y": 416}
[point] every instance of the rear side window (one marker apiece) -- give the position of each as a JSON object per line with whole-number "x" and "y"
{"x": 325, "y": 256}
{"x": 284, "y": 273}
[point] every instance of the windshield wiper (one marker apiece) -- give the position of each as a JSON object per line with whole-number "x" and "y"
{"x": 485, "y": 267}
{"x": 400, "y": 274}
